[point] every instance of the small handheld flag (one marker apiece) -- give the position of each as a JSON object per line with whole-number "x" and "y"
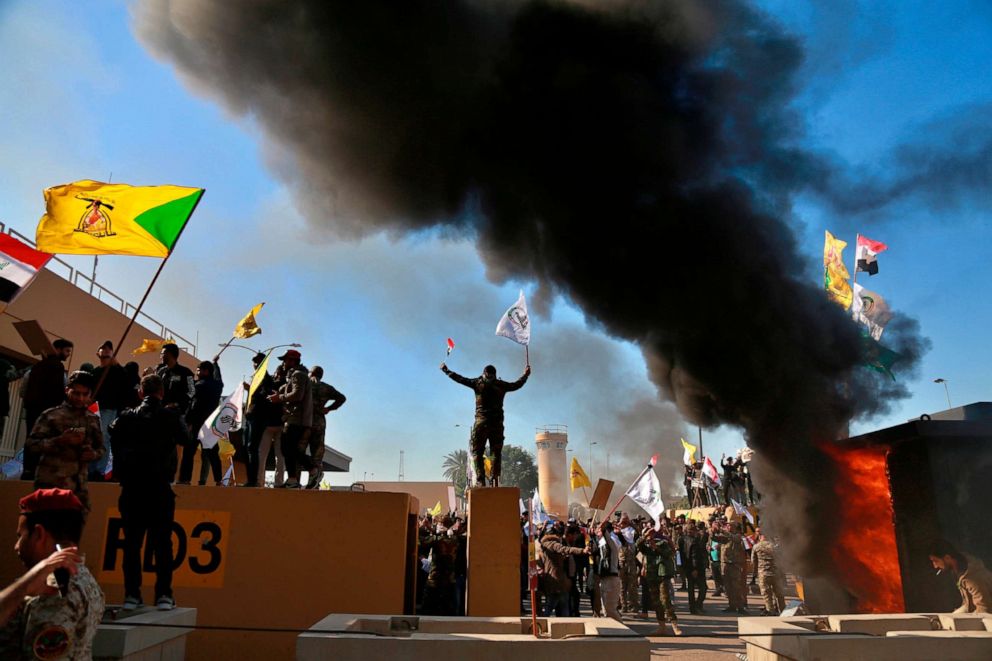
{"x": 515, "y": 323}
{"x": 451, "y": 346}
{"x": 150, "y": 346}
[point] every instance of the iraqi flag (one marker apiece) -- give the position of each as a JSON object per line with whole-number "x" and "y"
{"x": 866, "y": 253}
{"x": 19, "y": 264}
{"x": 710, "y": 471}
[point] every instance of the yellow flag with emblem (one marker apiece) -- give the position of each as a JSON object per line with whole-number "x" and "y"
{"x": 93, "y": 218}
{"x": 256, "y": 380}
{"x": 434, "y": 511}
{"x": 151, "y": 346}
{"x": 247, "y": 327}
{"x": 835, "y": 274}
{"x": 577, "y": 476}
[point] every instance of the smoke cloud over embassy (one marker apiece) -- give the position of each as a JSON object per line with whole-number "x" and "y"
{"x": 638, "y": 159}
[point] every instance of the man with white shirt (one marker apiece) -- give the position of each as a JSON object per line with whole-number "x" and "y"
{"x": 605, "y": 550}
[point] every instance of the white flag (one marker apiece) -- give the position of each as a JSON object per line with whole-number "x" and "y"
{"x": 538, "y": 513}
{"x": 646, "y": 492}
{"x": 709, "y": 470}
{"x": 870, "y": 309}
{"x": 515, "y": 324}
{"x": 225, "y": 419}
{"x": 742, "y": 511}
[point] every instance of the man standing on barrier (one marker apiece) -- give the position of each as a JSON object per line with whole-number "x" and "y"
{"x": 489, "y": 394}
{"x": 144, "y": 441}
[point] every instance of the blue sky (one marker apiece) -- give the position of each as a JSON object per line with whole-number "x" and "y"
{"x": 81, "y": 98}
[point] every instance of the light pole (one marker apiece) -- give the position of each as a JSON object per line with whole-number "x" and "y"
{"x": 946, "y": 391}
{"x": 591, "y": 443}
{"x": 278, "y": 346}
{"x": 607, "y": 464}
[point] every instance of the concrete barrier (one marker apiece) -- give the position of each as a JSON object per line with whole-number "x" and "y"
{"x": 493, "y": 552}
{"x": 141, "y": 636}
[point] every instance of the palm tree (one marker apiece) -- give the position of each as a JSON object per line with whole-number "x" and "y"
{"x": 455, "y": 468}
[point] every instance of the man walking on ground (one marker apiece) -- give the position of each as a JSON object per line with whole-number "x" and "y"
{"x": 769, "y": 577}
{"x": 43, "y": 389}
{"x": 60, "y": 625}
{"x": 659, "y": 569}
{"x": 322, "y": 394}
{"x": 733, "y": 565}
{"x": 693, "y": 553}
{"x": 296, "y": 396}
{"x": 144, "y": 440}
{"x": 66, "y": 438}
{"x": 488, "y": 426}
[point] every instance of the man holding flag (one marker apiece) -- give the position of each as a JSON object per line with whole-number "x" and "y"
{"x": 488, "y": 427}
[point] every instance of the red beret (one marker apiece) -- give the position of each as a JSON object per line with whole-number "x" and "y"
{"x": 49, "y": 500}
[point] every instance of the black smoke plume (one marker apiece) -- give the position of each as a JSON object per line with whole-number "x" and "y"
{"x": 636, "y": 158}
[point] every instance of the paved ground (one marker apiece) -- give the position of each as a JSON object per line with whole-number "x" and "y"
{"x": 712, "y": 635}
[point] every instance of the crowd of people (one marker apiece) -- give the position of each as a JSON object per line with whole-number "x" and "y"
{"x": 627, "y": 565}
{"x": 142, "y": 423}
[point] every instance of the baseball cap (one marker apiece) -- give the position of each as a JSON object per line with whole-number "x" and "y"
{"x": 290, "y": 353}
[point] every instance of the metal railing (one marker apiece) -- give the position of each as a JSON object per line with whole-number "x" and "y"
{"x": 104, "y": 295}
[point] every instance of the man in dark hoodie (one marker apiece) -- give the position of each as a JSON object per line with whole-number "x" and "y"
{"x": 489, "y": 394}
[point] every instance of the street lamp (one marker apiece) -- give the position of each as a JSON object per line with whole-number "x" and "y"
{"x": 295, "y": 345}
{"x": 946, "y": 391}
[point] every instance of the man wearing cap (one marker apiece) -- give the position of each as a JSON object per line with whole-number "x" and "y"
{"x": 60, "y": 625}
{"x": 144, "y": 440}
{"x": 322, "y": 394}
{"x": 296, "y": 396}
{"x": 207, "y": 391}
{"x": 489, "y": 394}
{"x": 43, "y": 389}
{"x": 66, "y": 438}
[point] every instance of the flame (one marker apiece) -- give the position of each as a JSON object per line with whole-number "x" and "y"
{"x": 865, "y": 551}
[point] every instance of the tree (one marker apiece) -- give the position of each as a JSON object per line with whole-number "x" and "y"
{"x": 455, "y": 469}
{"x": 519, "y": 470}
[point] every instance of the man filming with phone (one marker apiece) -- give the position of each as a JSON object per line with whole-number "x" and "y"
{"x": 67, "y": 438}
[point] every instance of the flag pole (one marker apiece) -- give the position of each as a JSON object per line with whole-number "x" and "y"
{"x": 617, "y": 504}
{"x": 224, "y": 348}
{"x": 532, "y": 569}
{"x": 527, "y": 354}
{"x": 144, "y": 298}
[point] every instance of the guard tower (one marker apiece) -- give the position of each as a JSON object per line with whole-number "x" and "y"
{"x": 552, "y": 469}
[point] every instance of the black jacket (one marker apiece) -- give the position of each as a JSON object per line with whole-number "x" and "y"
{"x": 693, "y": 552}
{"x": 144, "y": 440}
{"x": 178, "y": 386}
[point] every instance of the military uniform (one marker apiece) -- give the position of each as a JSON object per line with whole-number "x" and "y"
{"x": 53, "y": 626}
{"x": 296, "y": 394}
{"x": 488, "y": 426}
{"x": 439, "y": 595}
{"x": 659, "y": 569}
{"x": 733, "y": 564}
{"x": 628, "y": 573}
{"x": 769, "y": 578}
{"x": 322, "y": 393}
{"x": 61, "y": 464}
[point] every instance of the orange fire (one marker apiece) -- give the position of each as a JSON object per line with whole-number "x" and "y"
{"x": 865, "y": 551}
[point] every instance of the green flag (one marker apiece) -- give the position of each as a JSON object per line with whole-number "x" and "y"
{"x": 878, "y": 357}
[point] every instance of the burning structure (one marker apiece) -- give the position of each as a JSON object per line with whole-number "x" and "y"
{"x": 900, "y": 489}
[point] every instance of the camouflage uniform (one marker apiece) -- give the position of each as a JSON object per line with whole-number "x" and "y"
{"x": 322, "y": 393}
{"x": 659, "y": 568}
{"x": 733, "y": 564}
{"x": 53, "y": 626}
{"x": 296, "y": 394}
{"x": 439, "y": 595}
{"x": 628, "y": 576}
{"x": 769, "y": 578}
{"x": 60, "y": 464}
{"x": 488, "y": 425}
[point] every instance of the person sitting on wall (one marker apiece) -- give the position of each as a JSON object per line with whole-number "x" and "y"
{"x": 973, "y": 579}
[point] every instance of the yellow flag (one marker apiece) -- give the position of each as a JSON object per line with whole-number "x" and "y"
{"x": 689, "y": 456}
{"x": 92, "y": 218}
{"x": 835, "y": 273}
{"x": 151, "y": 346}
{"x": 247, "y": 327}
{"x": 434, "y": 511}
{"x": 256, "y": 380}
{"x": 578, "y": 476}
{"x": 489, "y": 466}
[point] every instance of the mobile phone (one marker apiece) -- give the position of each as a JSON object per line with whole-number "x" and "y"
{"x": 62, "y": 576}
